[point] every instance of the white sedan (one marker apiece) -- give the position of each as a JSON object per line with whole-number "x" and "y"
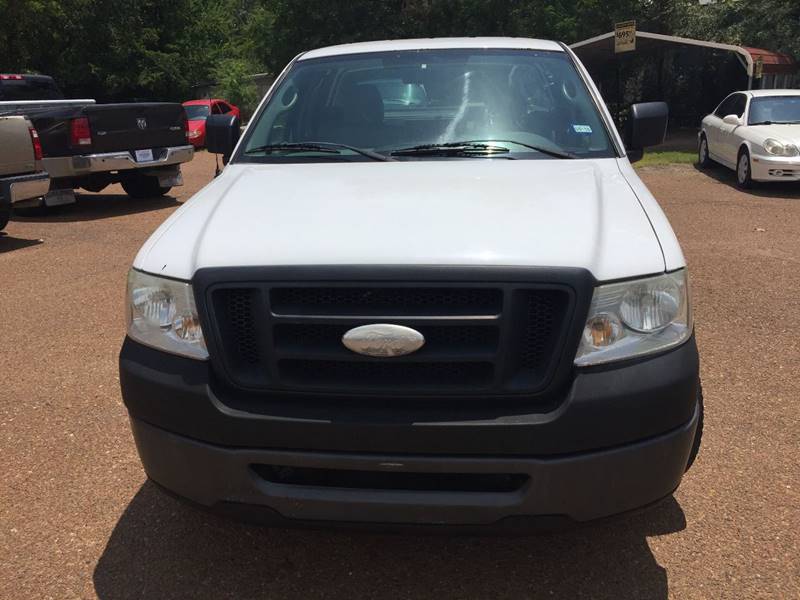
{"x": 756, "y": 133}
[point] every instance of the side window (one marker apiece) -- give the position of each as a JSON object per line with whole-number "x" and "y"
{"x": 739, "y": 105}
{"x": 215, "y": 110}
{"x": 726, "y": 108}
{"x": 224, "y": 108}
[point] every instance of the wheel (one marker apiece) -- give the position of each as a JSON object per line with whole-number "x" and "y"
{"x": 5, "y": 217}
{"x": 744, "y": 173}
{"x": 143, "y": 186}
{"x": 698, "y": 434}
{"x": 703, "y": 159}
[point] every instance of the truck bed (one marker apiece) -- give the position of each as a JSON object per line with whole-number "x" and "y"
{"x": 114, "y": 127}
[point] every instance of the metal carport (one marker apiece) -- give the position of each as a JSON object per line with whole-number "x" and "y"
{"x": 692, "y": 75}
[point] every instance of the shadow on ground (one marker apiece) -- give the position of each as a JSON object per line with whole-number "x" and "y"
{"x": 789, "y": 190}
{"x": 90, "y": 207}
{"x": 9, "y": 242}
{"x": 161, "y": 548}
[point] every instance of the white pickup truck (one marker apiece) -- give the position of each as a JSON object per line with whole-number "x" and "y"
{"x": 428, "y": 288}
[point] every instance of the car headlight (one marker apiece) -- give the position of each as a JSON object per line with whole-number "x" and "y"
{"x": 161, "y": 313}
{"x": 778, "y": 148}
{"x": 638, "y": 317}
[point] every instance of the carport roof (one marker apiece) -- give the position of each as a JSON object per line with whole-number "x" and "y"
{"x": 601, "y": 48}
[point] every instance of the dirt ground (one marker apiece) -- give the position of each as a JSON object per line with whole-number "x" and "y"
{"x": 78, "y": 519}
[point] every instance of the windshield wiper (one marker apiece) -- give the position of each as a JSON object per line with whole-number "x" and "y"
{"x": 548, "y": 151}
{"x": 474, "y": 148}
{"x": 326, "y": 147}
{"x": 776, "y": 123}
{"x": 452, "y": 149}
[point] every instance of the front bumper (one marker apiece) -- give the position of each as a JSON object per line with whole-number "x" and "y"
{"x": 619, "y": 440}
{"x": 24, "y": 187}
{"x": 775, "y": 168}
{"x": 581, "y": 487}
{"x": 76, "y": 166}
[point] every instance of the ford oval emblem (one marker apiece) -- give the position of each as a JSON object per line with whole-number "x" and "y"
{"x": 383, "y": 340}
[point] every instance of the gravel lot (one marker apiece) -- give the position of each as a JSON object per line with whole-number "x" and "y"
{"x": 78, "y": 519}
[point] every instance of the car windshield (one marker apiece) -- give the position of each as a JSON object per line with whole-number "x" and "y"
{"x": 774, "y": 109}
{"x": 196, "y": 112}
{"x": 430, "y": 105}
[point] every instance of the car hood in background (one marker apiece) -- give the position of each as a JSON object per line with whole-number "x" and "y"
{"x": 782, "y": 133}
{"x": 555, "y": 213}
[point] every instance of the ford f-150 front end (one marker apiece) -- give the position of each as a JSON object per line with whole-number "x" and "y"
{"x": 427, "y": 289}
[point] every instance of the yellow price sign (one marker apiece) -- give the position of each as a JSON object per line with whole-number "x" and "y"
{"x": 625, "y": 36}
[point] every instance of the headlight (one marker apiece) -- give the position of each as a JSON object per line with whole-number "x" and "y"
{"x": 161, "y": 313}
{"x": 637, "y": 317}
{"x": 779, "y": 148}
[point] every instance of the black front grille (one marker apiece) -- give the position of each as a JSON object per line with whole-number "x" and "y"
{"x": 374, "y": 374}
{"x": 385, "y": 301}
{"x": 238, "y": 314}
{"x": 539, "y": 322}
{"x": 480, "y": 338}
{"x": 300, "y": 337}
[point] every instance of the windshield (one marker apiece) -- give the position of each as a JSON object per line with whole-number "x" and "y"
{"x": 197, "y": 112}
{"x": 529, "y": 104}
{"x": 774, "y": 109}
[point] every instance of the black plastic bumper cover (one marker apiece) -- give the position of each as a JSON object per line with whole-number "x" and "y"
{"x": 581, "y": 487}
{"x": 619, "y": 440}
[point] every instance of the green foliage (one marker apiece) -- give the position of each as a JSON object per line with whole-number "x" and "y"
{"x": 771, "y": 24}
{"x": 124, "y": 49}
{"x": 235, "y": 84}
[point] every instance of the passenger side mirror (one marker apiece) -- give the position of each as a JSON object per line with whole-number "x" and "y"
{"x": 222, "y": 134}
{"x": 647, "y": 126}
{"x": 732, "y": 120}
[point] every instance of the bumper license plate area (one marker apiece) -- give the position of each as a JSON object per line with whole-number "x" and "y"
{"x": 143, "y": 155}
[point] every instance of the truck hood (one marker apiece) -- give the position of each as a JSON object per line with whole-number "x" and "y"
{"x": 555, "y": 213}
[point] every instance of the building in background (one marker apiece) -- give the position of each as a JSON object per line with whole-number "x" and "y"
{"x": 693, "y": 76}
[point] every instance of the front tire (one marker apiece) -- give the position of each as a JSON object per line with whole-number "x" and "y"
{"x": 143, "y": 186}
{"x": 5, "y": 217}
{"x": 744, "y": 171}
{"x": 703, "y": 158}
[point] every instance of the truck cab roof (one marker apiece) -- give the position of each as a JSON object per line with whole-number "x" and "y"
{"x": 434, "y": 44}
{"x": 23, "y": 87}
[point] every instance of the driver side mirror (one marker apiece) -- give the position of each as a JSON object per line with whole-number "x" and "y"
{"x": 222, "y": 134}
{"x": 647, "y": 127}
{"x": 732, "y": 120}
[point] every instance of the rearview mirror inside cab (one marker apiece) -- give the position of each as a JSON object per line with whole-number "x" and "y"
{"x": 222, "y": 134}
{"x": 647, "y": 126}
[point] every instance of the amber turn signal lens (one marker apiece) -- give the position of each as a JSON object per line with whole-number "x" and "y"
{"x": 604, "y": 330}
